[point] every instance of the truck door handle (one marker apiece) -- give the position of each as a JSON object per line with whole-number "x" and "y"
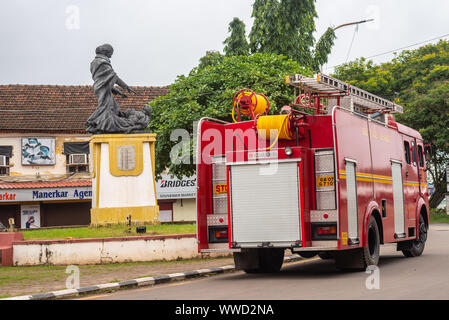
{"x": 406, "y": 174}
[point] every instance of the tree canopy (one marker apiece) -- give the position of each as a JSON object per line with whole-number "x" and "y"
{"x": 236, "y": 44}
{"x": 208, "y": 92}
{"x": 211, "y": 58}
{"x": 419, "y": 81}
{"x": 286, "y": 27}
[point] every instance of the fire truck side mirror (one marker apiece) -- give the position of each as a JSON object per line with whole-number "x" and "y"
{"x": 428, "y": 152}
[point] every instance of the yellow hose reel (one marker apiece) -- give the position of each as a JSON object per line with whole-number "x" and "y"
{"x": 248, "y": 103}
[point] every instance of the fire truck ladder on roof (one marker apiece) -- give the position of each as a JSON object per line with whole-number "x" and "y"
{"x": 323, "y": 86}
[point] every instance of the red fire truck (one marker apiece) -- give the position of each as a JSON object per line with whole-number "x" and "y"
{"x": 333, "y": 175}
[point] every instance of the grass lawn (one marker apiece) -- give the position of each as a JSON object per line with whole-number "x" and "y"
{"x": 106, "y": 232}
{"x": 439, "y": 218}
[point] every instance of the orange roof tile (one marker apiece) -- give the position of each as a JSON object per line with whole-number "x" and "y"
{"x": 59, "y": 109}
{"x": 47, "y": 184}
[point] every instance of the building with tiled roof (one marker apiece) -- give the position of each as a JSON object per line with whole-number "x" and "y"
{"x": 58, "y": 109}
{"x": 44, "y": 154}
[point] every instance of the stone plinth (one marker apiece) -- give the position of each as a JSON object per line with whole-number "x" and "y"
{"x": 123, "y": 179}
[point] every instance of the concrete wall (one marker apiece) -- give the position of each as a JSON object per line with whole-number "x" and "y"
{"x": 109, "y": 250}
{"x": 18, "y": 169}
{"x": 184, "y": 210}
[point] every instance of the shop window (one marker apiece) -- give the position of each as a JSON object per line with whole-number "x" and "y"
{"x": 5, "y": 155}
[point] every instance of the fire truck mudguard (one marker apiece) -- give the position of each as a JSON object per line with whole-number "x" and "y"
{"x": 334, "y": 174}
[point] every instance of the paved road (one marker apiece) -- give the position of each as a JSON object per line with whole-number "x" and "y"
{"x": 425, "y": 277}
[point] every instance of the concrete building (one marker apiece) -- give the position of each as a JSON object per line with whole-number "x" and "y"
{"x": 44, "y": 157}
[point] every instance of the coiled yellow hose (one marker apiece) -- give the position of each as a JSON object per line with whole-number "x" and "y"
{"x": 267, "y": 123}
{"x": 257, "y": 99}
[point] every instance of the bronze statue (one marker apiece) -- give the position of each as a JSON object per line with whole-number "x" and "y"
{"x": 108, "y": 118}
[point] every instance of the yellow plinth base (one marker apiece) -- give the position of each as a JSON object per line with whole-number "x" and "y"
{"x": 139, "y": 215}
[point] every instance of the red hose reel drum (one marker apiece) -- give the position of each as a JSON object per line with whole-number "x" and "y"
{"x": 247, "y": 102}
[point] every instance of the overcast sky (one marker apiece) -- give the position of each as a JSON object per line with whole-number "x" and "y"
{"x": 53, "y": 41}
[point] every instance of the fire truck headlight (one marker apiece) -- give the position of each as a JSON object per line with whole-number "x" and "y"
{"x": 288, "y": 151}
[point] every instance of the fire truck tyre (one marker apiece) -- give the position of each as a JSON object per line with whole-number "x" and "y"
{"x": 308, "y": 254}
{"x": 358, "y": 259}
{"x": 372, "y": 250}
{"x": 270, "y": 260}
{"x": 247, "y": 260}
{"x": 416, "y": 247}
{"x": 325, "y": 255}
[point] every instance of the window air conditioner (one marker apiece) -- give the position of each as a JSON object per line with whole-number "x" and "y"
{"x": 78, "y": 159}
{"x": 2, "y": 161}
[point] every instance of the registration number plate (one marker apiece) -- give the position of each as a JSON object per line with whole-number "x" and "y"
{"x": 323, "y": 182}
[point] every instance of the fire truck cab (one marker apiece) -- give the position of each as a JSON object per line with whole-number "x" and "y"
{"x": 333, "y": 175}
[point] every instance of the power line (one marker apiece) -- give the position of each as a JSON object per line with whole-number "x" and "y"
{"x": 352, "y": 42}
{"x": 398, "y": 49}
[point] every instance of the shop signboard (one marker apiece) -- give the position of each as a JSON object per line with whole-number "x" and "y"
{"x": 45, "y": 194}
{"x": 170, "y": 187}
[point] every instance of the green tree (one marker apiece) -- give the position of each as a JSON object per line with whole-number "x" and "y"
{"x": 208, "y": 92}
{"x": 419, "y": 81}
{"x": 236, "y": 44}
{"x": 211, "y": 58}
{"x": 265, "y": 33}
{"x": 286, "y": 27}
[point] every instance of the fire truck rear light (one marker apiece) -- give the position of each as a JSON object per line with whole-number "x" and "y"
{"x": 326, "y": 230}
{"x": 221, "y": 234}
{"x": 218, "y": 234}
{"x": 325, "y": 216}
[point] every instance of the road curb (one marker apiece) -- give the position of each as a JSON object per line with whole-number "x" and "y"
{"x": 139, "y": 282}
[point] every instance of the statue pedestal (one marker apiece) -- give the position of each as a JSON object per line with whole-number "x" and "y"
{"x": 123, "y": 179}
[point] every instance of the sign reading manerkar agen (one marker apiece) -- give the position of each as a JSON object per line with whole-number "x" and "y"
{"x": 45, "y": 194}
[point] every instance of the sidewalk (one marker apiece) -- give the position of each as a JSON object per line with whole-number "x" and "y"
{"x": 17, "y": 281}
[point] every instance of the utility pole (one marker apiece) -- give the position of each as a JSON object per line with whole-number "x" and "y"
{"x": 352, "y": 23}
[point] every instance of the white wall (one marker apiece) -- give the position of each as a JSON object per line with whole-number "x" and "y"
{"x": 104, "y": 251}
{"x": 184, "y": 210}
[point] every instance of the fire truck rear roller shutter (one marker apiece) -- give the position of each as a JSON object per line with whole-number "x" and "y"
{"x": 265, "y": 208}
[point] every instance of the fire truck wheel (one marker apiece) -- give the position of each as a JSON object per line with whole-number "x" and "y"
{"x": 372, "y": 250}
{"x": 358, "y": 259}
{"x": 416, "y": 247}
{"x": 270, "y": 260}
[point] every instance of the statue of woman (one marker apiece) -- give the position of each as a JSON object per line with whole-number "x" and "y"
{"x": 108, "y": 118}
